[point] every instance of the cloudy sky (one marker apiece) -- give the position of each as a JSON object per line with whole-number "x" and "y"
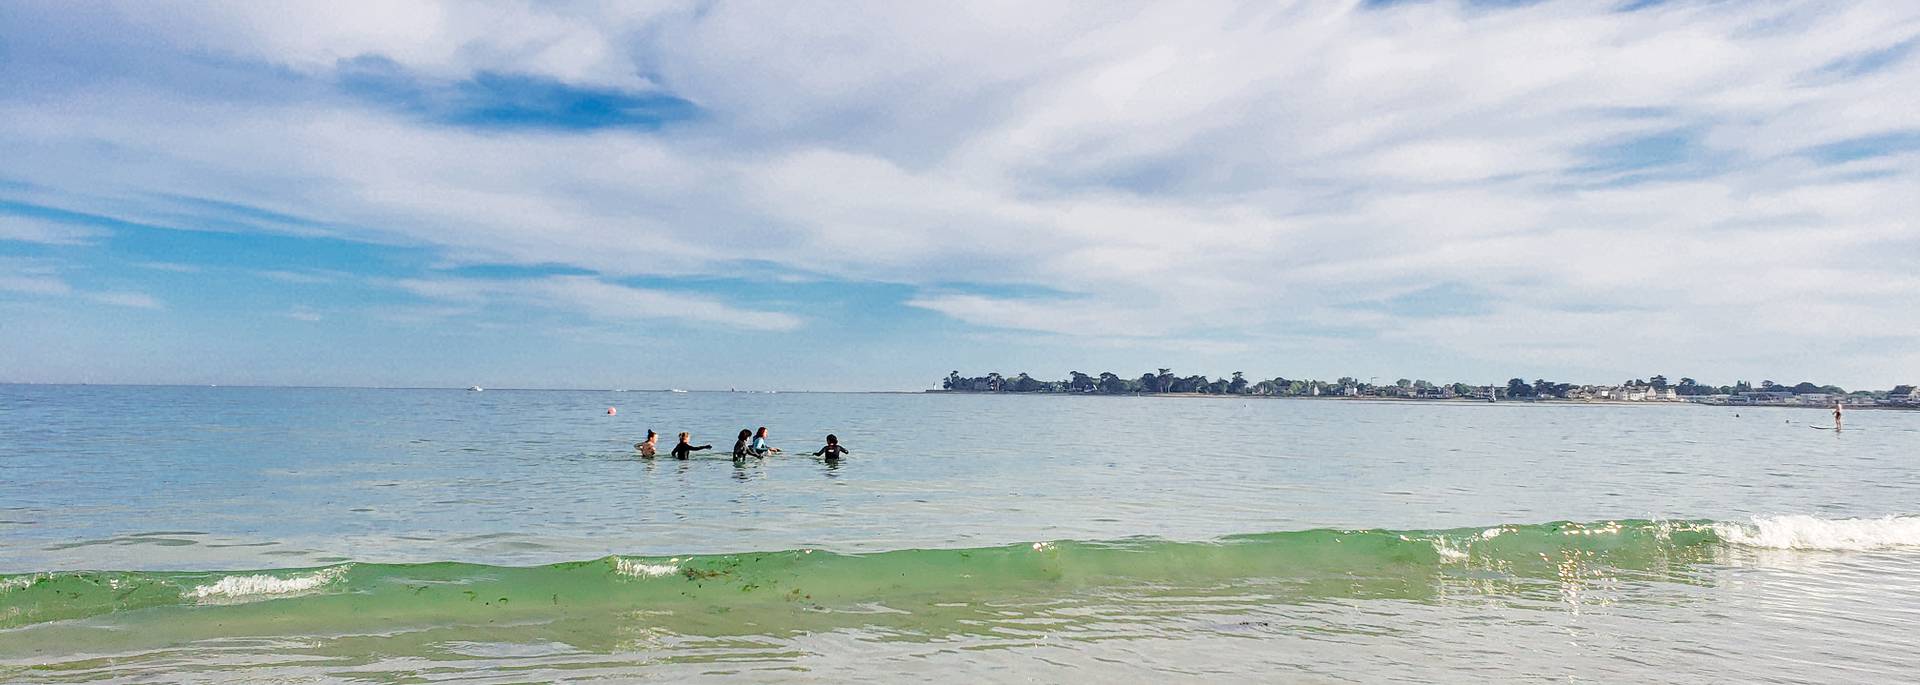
{"x": 865, "y": 196}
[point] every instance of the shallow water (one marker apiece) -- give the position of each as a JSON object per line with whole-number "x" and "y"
{"x": 234, "y": 534}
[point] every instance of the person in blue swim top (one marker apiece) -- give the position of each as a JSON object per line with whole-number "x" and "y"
{"x": 833, "y": 450}
{"x": 759, "y": 447}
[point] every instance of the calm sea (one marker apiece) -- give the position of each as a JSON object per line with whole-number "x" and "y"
{"x": 176, "y": 534}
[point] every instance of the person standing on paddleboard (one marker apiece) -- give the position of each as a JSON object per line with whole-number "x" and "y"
{"x": 1836, "y": 415}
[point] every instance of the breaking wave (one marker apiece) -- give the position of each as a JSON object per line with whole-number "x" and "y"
{"x": 1292, "y": 566}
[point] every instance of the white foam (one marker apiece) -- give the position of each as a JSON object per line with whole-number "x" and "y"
{"x": 259, "y": 586}
{"x": 1807, "y": 532}
{"x": 641, "y": 569}
{"x": 1610, "y": 528}
{"x": 17, "y": 582}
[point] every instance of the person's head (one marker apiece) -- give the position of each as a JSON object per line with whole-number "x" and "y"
{"x": 833, "y": 439}
{"x": 684, "y": 435}
{"x": 744, "y": 434}
{"x": 762, "y": 432}
{"x": 651, "y": 435}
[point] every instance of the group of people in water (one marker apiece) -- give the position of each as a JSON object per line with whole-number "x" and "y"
{"x": 750, "y": 444}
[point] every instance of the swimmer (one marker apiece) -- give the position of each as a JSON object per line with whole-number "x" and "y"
{"x": 686, "y": 449}
{"x": 833, "y": 450}
{"x": 740, "y": 445}
{"x": 649, "y": 447}
{"x": 759, "y": 446}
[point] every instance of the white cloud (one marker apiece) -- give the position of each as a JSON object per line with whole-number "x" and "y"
{"x": 31, "y": 276}
{"x": 602, "y": 301}
{"x": 452, "y": 40}
{"x": 1239, "y": 169}
{"x": 40, "y": 277}
{"x": 1089, "y": 318}
{"x": 34, "y": 285}
{"x": 308, "y": 277}
{"x": 303, "y": 313}
{"x": 123, "y": 298}
{"x": 28, "y": 230}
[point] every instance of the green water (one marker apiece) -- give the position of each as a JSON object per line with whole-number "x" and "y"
{"x": 324, "y": 536}
{"x": 780, "y": 586}
{"x": 941, "y": 594}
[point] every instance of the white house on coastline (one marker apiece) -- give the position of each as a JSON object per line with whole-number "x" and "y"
{"x": 1624, "y": 393}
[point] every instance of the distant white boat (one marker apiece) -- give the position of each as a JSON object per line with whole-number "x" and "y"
{"x": 675, "y": 390}
{"x": 474, "y": 388}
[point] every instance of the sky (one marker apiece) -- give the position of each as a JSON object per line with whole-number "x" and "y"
{"x": 865, "y": 196}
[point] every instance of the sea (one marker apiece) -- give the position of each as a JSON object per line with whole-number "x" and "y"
{"x": 325, "y": 535}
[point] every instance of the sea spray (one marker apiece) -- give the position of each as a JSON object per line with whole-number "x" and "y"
{"x": 1810, "y": 533}
{"x": 241, "y": 588}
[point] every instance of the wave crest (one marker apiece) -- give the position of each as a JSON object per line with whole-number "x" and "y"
{"x": 241, "y": 588}
{"x": 1307, "y": 564}
{"x": 1812, "y": 533}
{"x": 638, "y": 568}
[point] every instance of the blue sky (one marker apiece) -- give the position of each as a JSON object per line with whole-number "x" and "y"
{"x": 747, "y": 195}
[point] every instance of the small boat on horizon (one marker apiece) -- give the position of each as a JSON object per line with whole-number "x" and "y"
{"x": 675, "y": 390}
{"x": 474, "y": 388}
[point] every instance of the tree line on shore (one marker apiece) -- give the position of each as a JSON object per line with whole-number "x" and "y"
{"x": 1165, "y": 381}
{"x": 1685, "y": 387}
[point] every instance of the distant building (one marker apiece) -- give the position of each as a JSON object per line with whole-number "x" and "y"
{"x": 1760, "y": 397}
{"x": 1624, "y": 393}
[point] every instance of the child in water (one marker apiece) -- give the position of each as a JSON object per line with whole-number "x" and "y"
{"x": 759, "y": 446}
{"x": 685, "y": 449}
{"x": 833, "y": 450}
{"x": 648, "y": 447}
{"x": 740, "y": 445}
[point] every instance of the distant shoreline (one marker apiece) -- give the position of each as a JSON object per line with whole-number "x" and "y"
{"x": 1418, "y": 400}
{"x": 939, "y": 391}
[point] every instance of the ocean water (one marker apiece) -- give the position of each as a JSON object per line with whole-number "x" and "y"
{"x": 176, "y": 534}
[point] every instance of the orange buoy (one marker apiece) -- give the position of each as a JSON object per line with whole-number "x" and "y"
{"x": 611, "y": 411}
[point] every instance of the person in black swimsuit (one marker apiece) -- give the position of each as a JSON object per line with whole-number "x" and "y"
{"x": 833, "y": 450}
{"x": 684, "y": 450}
{"x": 740, "y": 446}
